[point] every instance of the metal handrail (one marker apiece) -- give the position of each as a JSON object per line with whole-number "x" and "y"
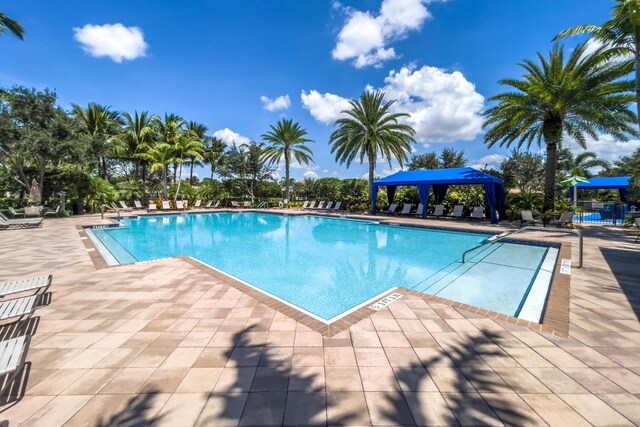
{"x": 531, "y": 228}
{"x": 263, "y": 205}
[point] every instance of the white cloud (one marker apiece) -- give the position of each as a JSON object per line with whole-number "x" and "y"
{"x": 325, "y": 108}
{"x": 607, "y": 147}
{"x": 491, "y": 161}
{"x": 280, "y": 103}
{"x": 230, "y": 137}
{"x": 364, "y": 36}
{"x": 443, "y": 106}
{"x": 311, "y": 174}
{"x": 113, "y": 40}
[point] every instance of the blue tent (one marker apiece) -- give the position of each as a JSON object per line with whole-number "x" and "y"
{"x": 440, "y": 180}
{"x": 620, "y": 183}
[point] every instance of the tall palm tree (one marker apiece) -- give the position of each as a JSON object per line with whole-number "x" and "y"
{"x": 200, "y": 132}
{"x": 12, "y": 25}
{"x": 287, "y": 140}
{"x": 188, "y": 146}
{"x": 215, "y": 154}
{"x": 102, "y": 125}
{"x": 371, "y": 130}
{"x": 583, "y": 96}
{"x": 161, "y": 155}
{"x": 137, "y": 136}
{"x": 169, "y": 130}
{"x": 620, "y": 35}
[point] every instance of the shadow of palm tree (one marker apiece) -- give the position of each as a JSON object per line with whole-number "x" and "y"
{"x": 276, "y": 394}
{"x": 623, "y": 265}
{"x": 135, "y": 413}
{"x": 458, "y": 399}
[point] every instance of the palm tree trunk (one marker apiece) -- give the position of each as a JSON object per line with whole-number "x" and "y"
{"x": 372, "y": 170}
{"x": 179, "y": 182}
{"x": 164, "y": 181}
{"x": 191, "y": 172}
{"x": 552, "y": 132}
{"x": 287, "y": 161}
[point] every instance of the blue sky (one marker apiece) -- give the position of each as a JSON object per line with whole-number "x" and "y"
{"x": 212, "y": 61}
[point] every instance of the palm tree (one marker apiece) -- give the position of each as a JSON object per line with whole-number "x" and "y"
{"x": 169, "y": 131}
{"x": 580, "y": 164}
{"x": 215, "y": 154}
{"x": 161, "y": 155}
{"x": 579, "y": 97}
{"x": 371, "y": 130}
{"x": 101, "y": 124}
{"x": 137, "y": 136}
{"x": 188, "y": 146}
{"x": 620, "y": 36}
{"x": 12, "y": 25}
{"x": 200, "y": 132}
{"x": 287, "y": 139}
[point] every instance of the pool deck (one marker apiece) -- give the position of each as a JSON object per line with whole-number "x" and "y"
{"x": 166, "y": 343}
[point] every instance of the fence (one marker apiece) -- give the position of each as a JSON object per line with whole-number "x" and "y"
{"x": 601, "y": 213}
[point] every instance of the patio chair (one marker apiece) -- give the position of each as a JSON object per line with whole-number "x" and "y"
{"x": 328, "y": 205}
{"x": 312, "y": 205}
{"x": 457, "y": 211}
{"x": 337, "y": 206}
{"x": 566, "y": 218}
{"x": 527, "y": 217}
{"x": 217, "y": 204}
{"x": 391, "y": 209}
{"x": 124, "y": 206}
{"x": 477, "y": 213}
{"x": 198, "y": 204}
{"x": 246, "y": 204}
{"x": 179, "y": 205}
{"x": 13, "y": 353}
{"x": 418, "y": 211}
{"x": 305, "y": 204}
{"x": 165, "y": 205}
{"x": 14, "y": 213}
{"x": 137, "y": 204}
{"x": 23, "y": 285}
{"x": 235, "y": 205}
{"x": 209, "y": 204}
{"x": 52, "y": 213}
{"x": 20, "y": 222}
{"x": 152, "y": 207}
{"x": 406, "y": 208}
{"x": 438, "y": 210}
{"x": 18, "y": 307}
{"x": 320, "y": 206}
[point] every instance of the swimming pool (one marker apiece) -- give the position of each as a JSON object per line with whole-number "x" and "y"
{"x": 328, "y": 266}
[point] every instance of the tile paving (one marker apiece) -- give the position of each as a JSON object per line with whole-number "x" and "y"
{"x": 167, "y": 343}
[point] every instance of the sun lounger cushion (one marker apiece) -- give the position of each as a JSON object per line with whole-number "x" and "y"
{"x": 23, "y": 285}
{"x": 11, "y": 353}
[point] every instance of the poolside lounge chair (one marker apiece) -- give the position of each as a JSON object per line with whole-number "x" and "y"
{"x": 478, "y": 213}
{"x": 6, "y": 223}
{"x": 312, "y": 205}
{"x": 320, "y": 205}
{"x": 137, "y": 204}
{"x": 209, "y": 204}
{"x": 23, "y": 285}
{"x": 53, "y": 212}
{"x": 337, "y": 206}
{"x": 328, "y": 205}
{"x": 246, "y": 204}
{"x": 406, "y": 208}
{"x": 14, "y": 213}
{"x": 391, "y": 209}
{"x": 198, "y": 204}
{"x": 566, "y": 218}
{"x": 18, "y": 307}
{"x": 13, "y": 353}
{"x": 418, "y": 211}
{"x": 438, "y": 210}
{"x": 165, "y": 205}
{"x": 124, "y": 206}
{"x": 179, "y": 205}
{"x": 217, "y": 204}
{"x": 305, "y": 204}
{"x": 527, "y": 217}
{"x": 235, "y": 205}
{"x": 457, "y": 211}
{"x": 152, "y": 207}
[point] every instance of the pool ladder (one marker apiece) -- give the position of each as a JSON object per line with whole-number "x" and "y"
{"x": 263, "y": 205}
{"x": 498, "y": 237}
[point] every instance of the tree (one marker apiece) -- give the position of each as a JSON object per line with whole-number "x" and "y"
{"x": 620, "y": 36}
{"x": 101, "y": 125}
{"x": 451, "y": 158}
{"x": 161, "y": 155}
{"x": 448, "y": 158}
{"x": 287, "y": 139}
{"x": 36, "y": 135}
{"x": 169, "y": 131}
{"x": 426, "y": 161}
{"x": 12, "y": 25}
{"x": 523, "y": 170}
{"x": 188, "y": 145}
{"x": 199, "y": 131}
{"x": 246, "y": 167}
{"x": 581, "y": 163}
{"x": 214, "y": 154}
{"x": 582, "y": 96}
{"x": 371, "y": 130}
{"x": 136, "y": 137}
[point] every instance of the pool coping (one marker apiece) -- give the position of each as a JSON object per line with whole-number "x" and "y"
{"x": 555, "y": 319}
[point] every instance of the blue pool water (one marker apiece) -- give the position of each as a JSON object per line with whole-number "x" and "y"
{"x": 327, "y": 266}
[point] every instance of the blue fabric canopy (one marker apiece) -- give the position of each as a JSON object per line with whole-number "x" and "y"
{"x": 620, "y": 183}
{"x": 440, "y": 180}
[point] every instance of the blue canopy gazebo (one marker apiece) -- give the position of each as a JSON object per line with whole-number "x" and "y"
{"x": 620, "y": 183}
{"x": 440, "y": 180}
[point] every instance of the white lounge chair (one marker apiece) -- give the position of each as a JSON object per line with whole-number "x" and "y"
{"x": 13, "y": 353}
{"x": 198, "y": 204}
{"x": 137, "y": 204}
{"x": 23, "y": 285}
{"x": 209, "y": 204}
{"x": 391, "y": 209}
{"x": 320, "y": 205}
{"x": 478, "y": 213}
{"x": 438, "y": 210}
{"x": 312, "y": 205}
{"x": 566, "y": 218}
{"x": 527, "y": 217}
{"x": 14, "y": 213}
{"x": 18, "y": 307}
{"x": 328, "y": 205}
{"x": 6, "y": 223}
{"x": 406, "y": 208}
{"x": 165, "y": 205}
{"x": 457, "y": 211}
{"x": 337, "y": 206}
{"x": 53, "y": 212}
{"x": 235, "y": 205}
{"x": 124, "y": 206}
{"x": 246, "y": 204}
{"x": 305, "y": 204}
{"x": 179, "y": 205}
{"x": 152, "y": 207}
{"x": 216, "y": 204}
